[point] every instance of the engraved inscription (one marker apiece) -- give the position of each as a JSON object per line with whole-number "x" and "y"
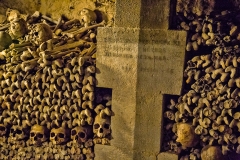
{"x": 156, "y": 70}
{"x": 125, "y": 52}
{"x": 151, "y": 57}
{"x": 112, "y": 54}
{"x": 152, "y": 51}
{"x": 143, "y": 56}
{"x": 126, "y": 68}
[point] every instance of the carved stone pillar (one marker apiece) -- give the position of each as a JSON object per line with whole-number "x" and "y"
{"x": 140, "y": 59}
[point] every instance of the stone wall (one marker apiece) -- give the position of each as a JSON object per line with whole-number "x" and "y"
{"x": 54, "y": 8}
{"x": 141, "y": 59}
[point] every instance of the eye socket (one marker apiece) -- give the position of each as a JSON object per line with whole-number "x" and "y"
{"x": 74, "y": 132}
{"x": 39, "y": 135}
{"x": 66, "y": 119}
{"x": 32, "y": 134}
{"x": 96, "y": 126}
{"x": 36, "y": 33}
{"x": 2, "y": 128}
{"x": 18, "y": 131}
{"x": 106, "y": 126}
{"x": 52, "y": 134}
{"x": 82, "y": 135}
{"x": 61, "y": 135}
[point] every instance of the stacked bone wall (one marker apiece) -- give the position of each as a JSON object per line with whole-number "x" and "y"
{"x": 69, "y": 8}
{"x": 51, "y": 108}
{"x": 38, "y": 96}
{"x": 203, "y": 121}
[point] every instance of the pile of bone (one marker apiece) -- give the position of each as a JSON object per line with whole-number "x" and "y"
{"x": 211, "y": 105}
{"x": 47, "y": 89}
{"x": 217, "y": 29}
{"x": 22, "y": 150}
{"x": 197, "y": 7}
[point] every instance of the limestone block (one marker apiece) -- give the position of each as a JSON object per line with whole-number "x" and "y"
{"x": 117, "y": 63}
{"x": 140, "y": 66}
{"x": 142, "y": 14}
{"x": 69, "y": 8}
{"x": 111, "y": 153}
{"x": 167, "y": 156}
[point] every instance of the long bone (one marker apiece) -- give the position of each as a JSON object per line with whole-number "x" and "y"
{"x": 84, "y": 29}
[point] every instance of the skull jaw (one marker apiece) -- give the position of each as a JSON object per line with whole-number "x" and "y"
{"x": 38, "y": 142}
{"x": 100, "y": 135}
{"x": 80, "y": 140}
{"x": 60, "y": 141}
{"x": 19, "y": 137}
{"x": 103, "y": 133}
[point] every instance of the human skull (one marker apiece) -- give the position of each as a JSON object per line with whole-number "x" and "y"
{"x": 102, "y": 126}
{"x": 81, "y": 134}
{"x": 170, "y": 115}
{"x": 3, "y": 130}
{"x": 186, "y": 135}
{"x": 18, "y": 28}
{"x": 59, "y": 135}
{"x": 38, "y": 134}
{"x": 18, "y": 132}
{"x": 87, "y": 16}
{"x": 211, "y": 153}
{"x": 12, "y": 14}
{"x": 41, "y": 33}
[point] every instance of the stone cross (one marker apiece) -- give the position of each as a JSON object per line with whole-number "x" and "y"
{"x": 141, "y": 60}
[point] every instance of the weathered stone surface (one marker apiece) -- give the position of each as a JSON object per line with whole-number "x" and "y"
{"x": 141, "y": 64}
{"x": 167, "y": 156}
{"x": 161, "y": 57}
{"x": 117, "y": 62}
{"x": 24, "y": 6}
{"x": 111, "y": 153}
{"x": 155, "y": 14}
{"x": 142, "y": 14}
{"x": 54, "y": 8}
{"x": 160, "y": 67}
{"x": 128, "y": 13}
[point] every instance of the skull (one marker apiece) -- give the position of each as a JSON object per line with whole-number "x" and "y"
{"x": 59, "y": 135}
{"x": 3, "y": 130}
{"x": 87, "y": 16}
{"x": 18, "y": 28}
{"x": 12, "y": 14}
{"x": 101, "y": 126}
{"x": 41, "y": 33}
{"x": 186, "y": 135}
{"x": 19, "y": 133}
{"x": 80, "y": 134}
{"x": 211, "y": 153}
{"x": 170, "y": 115}
{"x": 38, "y": 134}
